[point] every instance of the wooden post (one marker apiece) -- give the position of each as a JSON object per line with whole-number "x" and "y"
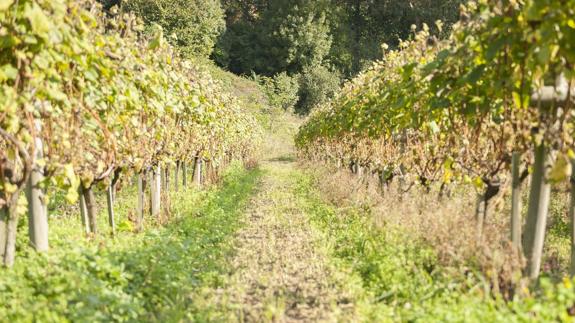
{"x": 536, "y": 213}
{"x": 141, "y": 201}
{"x": 177, "y": 177}
{"x": 480, "y": 211}
{"x": 198, "y": 172}
{"x": 3, "y": 229}
{"x": 515, "y": 201}
{"x": 167, "y": 179}
{"x": 156, "y": 189}
{"x": 184, "y": 175}
{"x": 37, "y": 208}
{"x": 484, "y": 207}
{"x": 11, "y": 230}
{"x": 83, "y": 210}
{"x": 572, "y": 218}
{"x": 539, "y": 195}
{"x": 110, "y": 202}
{"x": 382, "y": 181}
{"x": 91, "y": 207}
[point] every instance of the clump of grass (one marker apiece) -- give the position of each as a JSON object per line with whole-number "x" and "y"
{"x": 446, "y": 224}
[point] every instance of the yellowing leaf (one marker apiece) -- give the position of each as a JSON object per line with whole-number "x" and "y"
{"x": 158, "y": 39}
{"x": 22, "y": 205}
{"x": 195, "y": 101}
{"x": 87, "y": 179}
{"x": 518, "y": 101}
{"x": 478, "y": 183}
{"x": 69, "y": 172}
{"x": 5, "y": 4}
{"x": 72, "y": 195}
{"x": 10, "y": 188}
{"x": 8, "y": 72}
{"x": 434, "y": 127}
{"x": 561, "y": 169}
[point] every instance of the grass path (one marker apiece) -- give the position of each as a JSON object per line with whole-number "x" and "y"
{"x": 281, "y": 270}
{"x": 282, "y": 273}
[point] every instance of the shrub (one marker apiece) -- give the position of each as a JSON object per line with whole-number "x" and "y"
{"x": 281, "y": 90}
{"x": 316, "y": 85}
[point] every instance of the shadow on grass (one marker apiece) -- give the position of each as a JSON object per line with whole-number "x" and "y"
{"x": 284, "y": 159}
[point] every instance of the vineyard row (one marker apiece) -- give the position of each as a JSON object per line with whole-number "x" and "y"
{"x": 86, "y": 99}
{"x": 496, "y": 96}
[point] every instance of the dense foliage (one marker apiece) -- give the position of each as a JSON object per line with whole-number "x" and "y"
{"x": 101, "y": 98}
{"x": 261, "y": 36}
{"x": 192, "y": 26}
{"x": 281, "y": 90}
{"x": 460, "y": 107}
{"x": 317, "y": 84}
{"x": 361, "y": 26}
{"x": 320, "y": 41}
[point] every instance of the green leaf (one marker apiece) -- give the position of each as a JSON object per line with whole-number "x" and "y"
{"x": 8, "y": 72}
{"x": 72, "y": 195}
{"x": 55, "y": 94}
{"x": 158, "y": 39}
{"x": 475, "y": 75}
{"x": 518, "y": 102}
{"x": 38, "y": 20}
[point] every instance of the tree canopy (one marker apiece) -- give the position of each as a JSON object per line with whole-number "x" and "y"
{"x": 272, "y": 36}
{"x": 191, "y": 25}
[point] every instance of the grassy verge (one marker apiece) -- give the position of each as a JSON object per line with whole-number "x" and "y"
{"x": 153, "y": 276}
{"x": 402, "y": 279}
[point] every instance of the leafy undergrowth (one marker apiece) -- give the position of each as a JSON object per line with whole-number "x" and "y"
{"x": 150, "y": 276}
{"x": 404, "y": 280}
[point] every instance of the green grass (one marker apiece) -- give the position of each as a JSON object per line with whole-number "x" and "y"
{"x": 156, "y": 275}
{"x": 402, "y": 280}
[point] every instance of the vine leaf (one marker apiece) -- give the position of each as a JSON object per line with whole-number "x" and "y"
{"x": 38, "y": 21}
{"x": 561, "y": 169}
{"x": 5, "y": 4}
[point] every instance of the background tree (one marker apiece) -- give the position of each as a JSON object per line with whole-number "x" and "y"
{"x": 360, "y": 27}
{"x": 191, "y": 25}
{"x": 319, "y": 41}
{"x": 353, "y": 31}
{"x": 274, "y": 36}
